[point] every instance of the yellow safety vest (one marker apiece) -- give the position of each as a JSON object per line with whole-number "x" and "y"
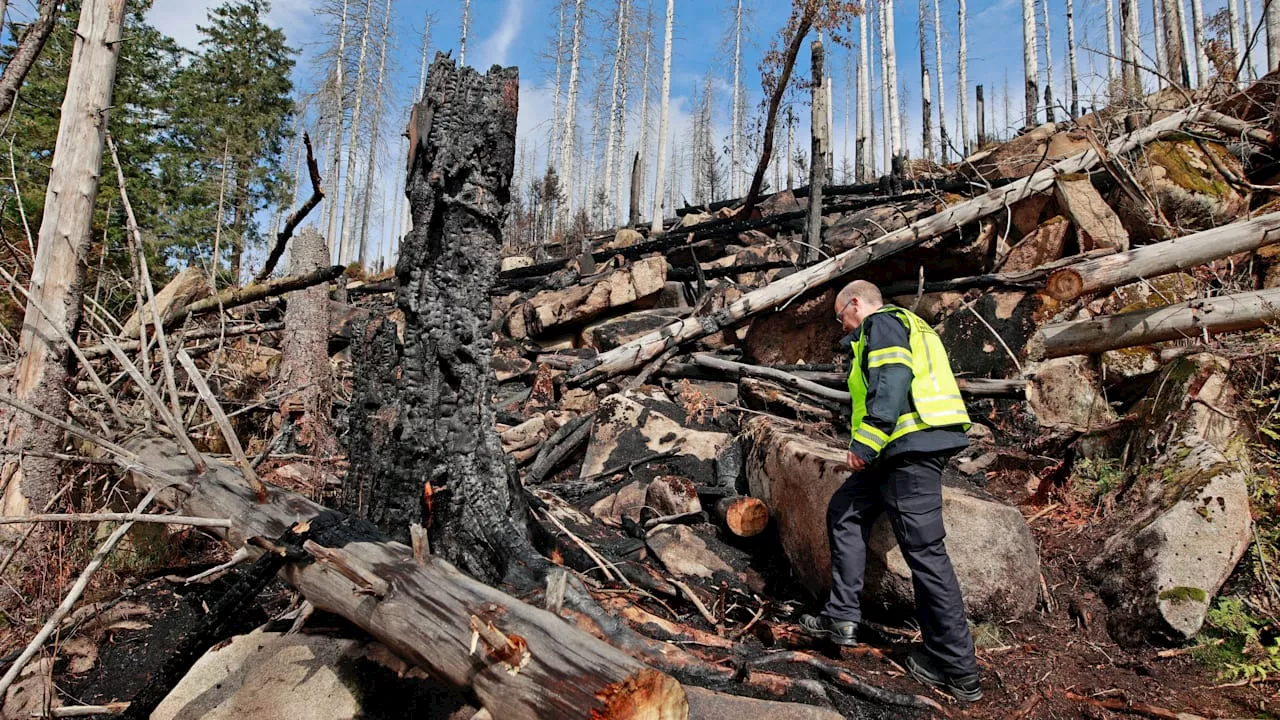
{"x": 935, "y": 398}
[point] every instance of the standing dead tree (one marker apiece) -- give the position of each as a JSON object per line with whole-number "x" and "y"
{"x": 57, "y": 276}
{"x": 423, "y": 447}
{"x": 24, "y": 57}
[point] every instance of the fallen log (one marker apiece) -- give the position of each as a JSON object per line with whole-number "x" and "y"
{"x": 738, "y": 369}
{"x": 1160, "y": 258}
{"x": 1020, "y": 280}
{"x": 526, "y": 662}
{"x": 828, "y": 380}
{"x": 641, "y": 350}
{"x": 742, "y": 515}
{"x": 235, "y": 297}
{"x": 1191, "y": 319}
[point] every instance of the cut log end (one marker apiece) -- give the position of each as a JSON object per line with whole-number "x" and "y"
{"x": 1064, "y": 284}
{"x": 744, "y": 516}
{"x": 647, "y": 694}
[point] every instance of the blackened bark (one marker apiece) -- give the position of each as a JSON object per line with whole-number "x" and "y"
{"x": 423, "y": 445}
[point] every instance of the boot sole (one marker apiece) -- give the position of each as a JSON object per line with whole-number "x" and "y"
{"x": 958, "y": 693}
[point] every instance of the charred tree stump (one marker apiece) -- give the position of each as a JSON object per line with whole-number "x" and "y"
{"x": 423, "y": 445}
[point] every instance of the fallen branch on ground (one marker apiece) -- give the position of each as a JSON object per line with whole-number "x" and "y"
{"x": 235, "y": 297}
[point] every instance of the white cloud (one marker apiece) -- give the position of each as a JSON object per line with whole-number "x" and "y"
{"x": 179, "y": 19}
{"x": 494, "y": 50}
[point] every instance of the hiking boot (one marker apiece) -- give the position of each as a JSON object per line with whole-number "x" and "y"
{"x": 922, "y": 667}
{"x": 840, "y": 632}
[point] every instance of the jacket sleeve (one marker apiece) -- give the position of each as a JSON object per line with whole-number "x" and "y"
{"x": 886, "y": 364}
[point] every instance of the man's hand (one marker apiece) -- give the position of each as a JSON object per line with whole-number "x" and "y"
{"x": 856, "y": 463}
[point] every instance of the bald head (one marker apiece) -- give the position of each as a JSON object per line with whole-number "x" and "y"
{"x": 855, "y": 302}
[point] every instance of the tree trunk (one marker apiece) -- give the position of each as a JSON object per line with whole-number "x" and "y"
{"x": 304, "y": 356}
{"x": 1030, "y": 65}
{"x": 347, "y": 243}
{"x": 735, "y": 142}
{"x": 1113, "y": 50}
{"x": 891, "y": 79}
{"x": 1129, "y": 28}
{"x": 643, "y": 149}
{"x": 944, "y": 141}
{"x": 820, "y": 140}
{"x": 466, "y": 25}
{"x": 641, "y": 350}
{"x": 423, "y": 447}
{"x": 335, "y": 175}
{"x": 24, "y": 56}
{"x": 402, "y": 192}
{"x": 1192, "y": 319}
{"x": 982, "y": 116}
{"x": 1049, "y": 109}
{"x": 885, "y": 116}
{"x": 527, "y": 663}
{"x": 554, "y": 131}
{"x": 1161, "y": 34}
{"x": 1160, "y": 258}
{"x": 864, "y": 146}
{"x": 775, "y": 104}
{"x": 633, "y": 215}
{"x": 663, "y": 112}
{"x": 1198, "y": 38}
{"x": 566, "y": 170}
{"x": 363, "y": 255}
{"x": 1272, "y": 15}
{"x": 1250, "y": 73}
{"x": 963, "y": 81}
{"x": 1073, "y": 78}
{"x": 58, "y": 270}
{"x": 1237, "y": 46}
{"x": 1175, "y": 56}
{"x": 926, "y": 104}
{"x": 612, "y": 153}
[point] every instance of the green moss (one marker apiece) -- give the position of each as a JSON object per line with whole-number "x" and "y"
{"x": 1183, "y": 593}
{"x": 1175, "y": 156}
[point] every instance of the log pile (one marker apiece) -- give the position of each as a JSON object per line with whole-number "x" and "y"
{"x": 572, "y": 483}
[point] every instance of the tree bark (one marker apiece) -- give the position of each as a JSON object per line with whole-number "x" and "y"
{"x": 339, "y": 118}
{"x": 1160, "y": 258}
{"x": 926, "y": 104}
{"x": 24, "y": 57}
{"x": 891, "y": 79}
{"x": 820, "y": 142}
{"x": 1072, "y": 76}
{"x": 1129, "y": 26}
{"x": 1192, "y": 319}
{"x": 1113, "y": 50}
{"x": 305, "y": 353}
{"x": 423, "y": 447}
{"x": 655, "y": 226}
{"x": 566, "y": 169}
{"x": 346, "y": 241}
{"x": 982, "y": 116}
{"x": 641, "y": 350}
{"x": 963, "y": 84}
{"x": 1048, "y": 65}
{"x": 1030, "y": 65}
{"x": 1271, "y": 10}
{"x": 866, "y": 146}
{"x": 1233, "y": 18}
{"x": 57, "y": 274}
{"x": 944, "y": 144}
{"x": 1175, "y": 55}
{"x": 1197, "y": 36}
{"x": 362, "y": 255}
{"x": 426, "y": 612}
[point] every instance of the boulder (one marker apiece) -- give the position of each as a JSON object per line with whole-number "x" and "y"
{"x": 1066, "y": 394}
{"x": 1023, "y": 155}
{"x": 995, "y": 557}
{"x": 274, "y": 676}
{"x": 609, "y": 334}
{"x": 624, "y": 238}
{"x": 684, "y": 553}
{"x": 805, "y": 331}
{"x": 781, "y": 202}
{"x": 1182, "y": 180}
{"x": 513, "y": 262}
{"x": 672, "y": 495}
{"x": 1192, "y": 401}
{"x": 711, "y": 705}
{"x": 626, "y": 502}
{"x": 1159, "y": 576}
{"x": 629, "y": 426}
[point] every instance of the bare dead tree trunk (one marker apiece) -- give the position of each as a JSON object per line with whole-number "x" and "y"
{"x": 982, "y": 117}
{"x": 335, "y": 175}
{"x": 866, "y": 149}
{"x": 1030, "y": 66}
{"x": 423, "y": 447}
{"x": 305, "y": 353}
{"x": 1175, "y": 56}
{"x": 25, "y": 55}
{"x": 1048, "y": 65}
{"x": 1197, "y": 37}
{"x": 1129, "y": 50}
{"x": 926, "y": 100}
{"x": 819, "y": 143}
{"x": 944, "y": 144}
{"x": 1271, "y": 15}
{"x": 57, "y": 274}
{"x": 1072, "y": 76}
{"x": 963, "y": 31}
{"x": 775, "y": 102}
{"x": 1113, "y": 50}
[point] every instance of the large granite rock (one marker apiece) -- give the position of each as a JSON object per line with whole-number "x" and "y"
{"x": 1184, "y": 182}
{"x": 989, "y": 543}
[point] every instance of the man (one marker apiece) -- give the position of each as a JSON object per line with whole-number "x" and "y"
{"x": 908, "y": 420}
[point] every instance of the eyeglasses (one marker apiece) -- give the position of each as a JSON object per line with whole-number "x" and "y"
{"x": 840, "y": 312}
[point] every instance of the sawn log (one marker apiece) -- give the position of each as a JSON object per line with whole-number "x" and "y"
{"x": 1191, "y": 320}
{"x": 643, "y": 349}
{"x": 1159, "y": 258}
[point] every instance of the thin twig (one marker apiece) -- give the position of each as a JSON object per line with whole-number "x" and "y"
{"x": 73, "y": 594}
{"x": 969, "y": 306}
{"x": 116, "y": 517}
{"x": 175, "y": 425}
{"x": 224, "y": 424}
{"x": 697, "y": 602}
{"x": 115, "y": 708}
{"x": 601, "y": 561}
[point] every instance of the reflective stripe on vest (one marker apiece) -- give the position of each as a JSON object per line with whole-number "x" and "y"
{"x": 935, "y": 397}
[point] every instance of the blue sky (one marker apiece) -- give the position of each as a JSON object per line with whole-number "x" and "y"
{"x": 522, "y": 33}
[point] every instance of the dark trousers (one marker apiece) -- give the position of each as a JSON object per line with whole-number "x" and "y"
{"x": 908, "y": 488}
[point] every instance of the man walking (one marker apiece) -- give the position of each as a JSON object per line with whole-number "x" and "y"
{"x": 908, "y": 420}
